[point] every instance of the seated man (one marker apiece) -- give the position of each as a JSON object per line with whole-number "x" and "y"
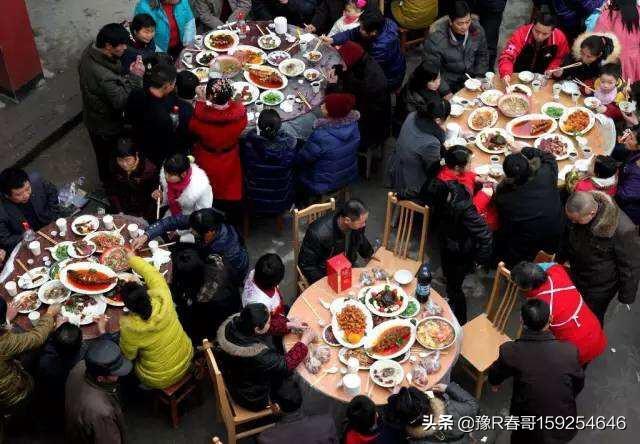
{"x": 212, "y": 237}
{"x": 25, "y": 198}
{"x": 379, "y": 37}
{"x": 333, "y": 234}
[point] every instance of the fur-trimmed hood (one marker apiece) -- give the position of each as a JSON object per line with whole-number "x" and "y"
{"x": 605, "y": 222}
{"x": 438, "y": 408}
{"x": 613, "y": 57}
{"x": 196, "y": 196}
{"x": 227, "y": 332}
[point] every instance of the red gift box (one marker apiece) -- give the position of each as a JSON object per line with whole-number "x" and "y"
{"x": 339, "y": 273}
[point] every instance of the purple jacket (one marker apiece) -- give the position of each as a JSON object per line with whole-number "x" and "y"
{"x": 628, "y": 195}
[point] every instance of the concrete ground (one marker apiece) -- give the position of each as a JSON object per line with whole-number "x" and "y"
{"x": 613, "y": 380}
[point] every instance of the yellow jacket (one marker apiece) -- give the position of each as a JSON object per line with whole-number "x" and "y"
{"x": 161, "y": 349}
{"x": 415, "y": 14}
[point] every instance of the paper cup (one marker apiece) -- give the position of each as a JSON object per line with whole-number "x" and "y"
{"x": 34, "y": 247}
{"x": 198, "y": 41}
{"x": 34, "y": 317}
{"x": 259, "y": 106}
{"x": 108, "y": 222}
{"x": 11, "y": 287}
{"x": 280, "y": 25}
{"x": 315, "y": 86}
{"x": 353, "y": 365}
{"x": 453, "y": 130}
{"x": 62, "y": 226}
{"x": 351, "y": 384}
{"x": 586, "y": 152}
{"x": 133, "y": 230}
{"x": 187, "y": 58}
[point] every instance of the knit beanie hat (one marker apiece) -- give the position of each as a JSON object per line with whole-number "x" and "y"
{"x": 339, "y": 105}
{"x": 516, "y": 167}
{"x": 351, "y": 52}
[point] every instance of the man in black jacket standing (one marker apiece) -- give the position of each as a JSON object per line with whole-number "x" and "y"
{"x": 547, "y": 376}
{"x": 333, "y": 234}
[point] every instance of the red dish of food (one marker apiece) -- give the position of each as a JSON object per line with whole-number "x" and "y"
{"x": 90, "y": 280}
{"x": 221, "y": 41}
{"x": 392, "y": 341}
{"x": 532, "y": 127}
{"x": 266, "y": 78}
{"x": 116, "y": 258}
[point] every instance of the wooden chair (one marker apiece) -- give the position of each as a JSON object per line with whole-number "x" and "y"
{"x": 484, "y": 334}
{"x": 232, "y": 414}
{"x": 306, "y": 215}
{"x": 173, "y": 395}
{"x": 543, "y": 256}
{"x": 404, "y": 231}
{"x": 412, "y": 37}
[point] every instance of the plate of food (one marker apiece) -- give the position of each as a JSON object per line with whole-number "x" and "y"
{"x": 265, "y": 77}
{"x": 34, "y": 278}
{"x": 494, "y": 140}
{"x": 85, "y": 224}
{"x": 519, "y": 88}
{"x": 328, "y": 337}
{"x": 592, "y": 103}
{"x": 247, "y": 54}
{"x": 114, "y": 297}
{"x": 88, "y": 278}
{"x": 456, "y": 110}
{"x": 525, "y": 76}
{"x": 491, "y": 97}
{"x": 351, "y": 323}
{"x": 274, "y": 58}
{"x": 569, "y": 87}
{"x": 82, "y": 309}
{"x": 492, "y": 170}
{"x": 435, "y": 333}
{"x": 272, "y": 97}
{"x": 577, "y": 121}
{"x": 311, "y": 74}
{"x": 472, "y": 84}
{"x": 313, "y": 56}
{"x": 514, "y": 105}
{"x": 245, "y": 92}
{"x": 82, "y": 249}
{"x": 227, "y": 66}
{"x": 364, "y": 360}
{"x": 531, "y": 126}
{"x": 390, "y": 339}
{"x": 201, "y": 73}
{"x": 205, "y": 57}
{"x": 221, "y": 40}
{"x": 53, "y": 292}
{"x": 385, "y": 300}
{"x": 554, "y": 110}
{"x": 413, "y": 308}
{"x": 116, "y": 258}
{"x": 27, "y": 301}
{"x": 105, "y": 239}
{"x": 482, "y": 118}
{"x": 292, "y": 67}
{"x": 60, "y": 251}
{"x": 386, "y": 373}
{"x": 269, "y": 41}
{"x": 557, "y": 144}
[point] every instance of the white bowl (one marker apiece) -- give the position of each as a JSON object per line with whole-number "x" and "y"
{"x": 525, "y": 76}
{"x": 592, "y": 102}
{"x": 403, "y": 277}
{"x": 456, "y": 110}
{"x": 472, "y": 84}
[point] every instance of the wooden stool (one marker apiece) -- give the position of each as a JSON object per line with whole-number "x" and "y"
{"x": 406, "y": 42}
{"x": 175, "y": 394}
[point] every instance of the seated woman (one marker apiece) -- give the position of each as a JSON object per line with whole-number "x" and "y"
{"x": 261, "y": 286}
{"x": 572, "y": 320}
{"x": 268, "y": 155}
{"x": 406, "y": 410}
{"x": 424, "y": 83}
{"x": 203, "y": 292}
{"x": 328, "y": 160}
{"x": 151, "y": 333}
{"x": 251, "y": 366}
{"x": 133, "y": 179}
{"x": 593, "y": 50}
{"x": 414, "y": 14}
{"x": 175, "y": 23}
{"x": 185, "y": 187}
{"x": 602, "y": 176}
{"x": 209, "y": 12}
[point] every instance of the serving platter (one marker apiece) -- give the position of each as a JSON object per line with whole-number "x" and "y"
{"x": 522, "y": 122}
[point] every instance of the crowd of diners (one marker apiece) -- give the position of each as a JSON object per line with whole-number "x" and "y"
{"x": 205, "y": 167}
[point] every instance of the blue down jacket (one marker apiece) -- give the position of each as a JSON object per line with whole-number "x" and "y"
{"x": 268, "y": 166}
{"x": 328, "y": 160}
{"x": 385, "y": 49}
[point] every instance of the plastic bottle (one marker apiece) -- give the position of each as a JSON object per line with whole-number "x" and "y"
{"x": 29, "y": 235}
{"x": 175, "y": 119}
{"x": 423, "y": 287}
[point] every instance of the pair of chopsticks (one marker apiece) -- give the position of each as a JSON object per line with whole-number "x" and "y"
{"x": 260, "y": 29}
{"x": 292, "y": 46}
{"x": 304, "y": 99}
{"x": 319, "y": 42}
{"x": 168, "y": 244}
{"x": 585, "y": 86}
{"x": 47, "y": 238}
{"x": 26, "y": 270}
{"x": 313, "y": 310}
{"x": 573, "y": 65}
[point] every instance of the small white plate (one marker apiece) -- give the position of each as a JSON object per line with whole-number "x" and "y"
{"x": 46, "y": 286}
{"x": 39, "y": 276}
{"x": 403, "y": 277}
{"x": 380, "y": 365}
{"x": 85, "y": 218}
{"x": 23, "y": 294}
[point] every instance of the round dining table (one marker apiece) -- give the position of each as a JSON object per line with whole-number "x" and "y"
{"x": 30, "y": 261}
{"x": 595, "y": 136}
{"x": 327, "y": 385}
{"x": 296, "y": 85}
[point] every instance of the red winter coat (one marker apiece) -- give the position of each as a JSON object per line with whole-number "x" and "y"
{"x": 571, "y": 319}
{"x": 216, "y": 149}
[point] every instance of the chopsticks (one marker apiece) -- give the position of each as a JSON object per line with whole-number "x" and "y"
{"x": 47, "y": 238}
{"x": 120, "y": 229}
{"x": 319, "y": 42}
{"x": 24, "y": 268}
{"x": 168, "y": 244}
{"x": 292, "y": 46}
{"x": 304, "y": 99}
{"x": 313, "y": 310}
{"x": 573, "y": 65}
{"x": 585, "y": 86}
{"x": 260, "y": 29}
{"x": 158, "y": 200}
{"x": 319, "y": 378}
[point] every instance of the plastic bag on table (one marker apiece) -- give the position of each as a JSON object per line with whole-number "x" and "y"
{"x": 322, "y": 353}
{"x": 419, "y": 376}
{"x": 380, "y": 274}
{"x": 366, "y": 279}
{"x": 431, "y": 309}
{"x": 313, "y": 364}
{"x": 430, "y": 363}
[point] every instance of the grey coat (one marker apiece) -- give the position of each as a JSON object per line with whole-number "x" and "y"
{"x": 104, "y": 91}
{"x": 208, "y": 12}
{"x": 442, "y": 50}
{"x": 415, "y": 159}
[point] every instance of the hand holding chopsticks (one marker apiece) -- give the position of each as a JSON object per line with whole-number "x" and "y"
{"x": 573, "y": 65}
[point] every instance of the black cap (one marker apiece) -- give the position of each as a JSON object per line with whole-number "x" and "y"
{"x": 105, "y": 359}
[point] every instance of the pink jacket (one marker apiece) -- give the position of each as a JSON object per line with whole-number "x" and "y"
{"x": 629, "y": 42}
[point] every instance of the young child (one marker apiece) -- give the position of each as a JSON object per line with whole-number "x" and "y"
{"x": 350, "y": 16}
{"x": 361, "y": 421}
{"x": 609, "y": 90}
{"x": 143, "y": 31}
{"x": 261, "y": 286}
{"x": 602, "y": 176}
